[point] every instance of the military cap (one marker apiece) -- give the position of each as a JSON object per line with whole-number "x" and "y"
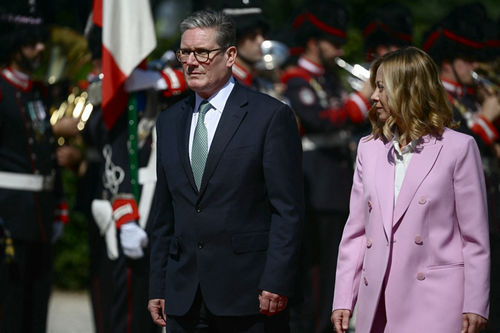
{"x": 322, "y": 20}
{"x": 460, "y": 34}
{"x": 247, "y": 14}
{"x": 492, "y": 40}
{"x": 389, "y": 25}
{"x": 20, "y": 24}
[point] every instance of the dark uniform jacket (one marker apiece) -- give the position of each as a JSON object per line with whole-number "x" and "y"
{"x": 317, "y": 99}
{"x": 27, "y": 146}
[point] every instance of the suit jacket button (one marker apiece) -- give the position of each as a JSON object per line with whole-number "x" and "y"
{"x": 422, "y": 200}
{"x": 418, "y": 240}
{"x": 198, "y": 210}
{"x": 200, "y": 245}
{"x": 420, "y": 276}
{"x": 369, "y": 243}
{"x": 365, "y": 281}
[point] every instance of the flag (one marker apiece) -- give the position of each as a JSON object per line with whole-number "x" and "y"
{"x": 128, "y": 37}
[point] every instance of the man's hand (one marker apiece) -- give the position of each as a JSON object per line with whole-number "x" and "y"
{"x": 157, "y": 309}
{"x": 490, "y": 109}
{"x": 472, "y": 323}
{"x": 68, "y": 156}
{"x": 340, "y": 320}
{"x": 270, "y": 303}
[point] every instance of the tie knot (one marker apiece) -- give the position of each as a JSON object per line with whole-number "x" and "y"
{"x": 204, "y": 107}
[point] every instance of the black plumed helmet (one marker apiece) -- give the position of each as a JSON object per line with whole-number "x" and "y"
{"x": 247, "y": 14}
{"x": 492, "y": 40}
{"x": 20, "y": 24}
{"x": 389, "y": 25}
{"x": 461, "y": 34}
{"x": 322, "y": 20}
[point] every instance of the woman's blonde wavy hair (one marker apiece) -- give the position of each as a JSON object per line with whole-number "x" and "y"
{"x": 416, "y": 97}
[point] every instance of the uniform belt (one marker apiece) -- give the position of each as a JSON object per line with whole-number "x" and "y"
{"x": 317, "y": 141}
{"x": 26, "y": 181}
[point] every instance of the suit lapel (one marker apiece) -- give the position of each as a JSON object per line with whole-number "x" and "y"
{"x": 229, "y": 122}
{"x": 421, "y": 163}
{"x": 385, "y": 185}
{"x": 183, "y": 140}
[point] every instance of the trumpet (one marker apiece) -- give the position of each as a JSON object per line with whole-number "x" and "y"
{"x": 359, "y": 74}
{"x": 486, "y": 82}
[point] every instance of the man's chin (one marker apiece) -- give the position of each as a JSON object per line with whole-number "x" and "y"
{"x": 194, "y": 82}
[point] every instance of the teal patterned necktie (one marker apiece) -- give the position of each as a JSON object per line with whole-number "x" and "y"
{"x": 199, "y": 151}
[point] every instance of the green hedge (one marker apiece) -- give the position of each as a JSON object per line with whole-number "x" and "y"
{"x": 71, "y": 252}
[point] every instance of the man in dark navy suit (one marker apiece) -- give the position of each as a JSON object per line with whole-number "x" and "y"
{"x": 229, "y": 207}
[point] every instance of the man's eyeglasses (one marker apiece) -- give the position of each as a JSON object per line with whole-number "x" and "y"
{"x": 201, "y": 55}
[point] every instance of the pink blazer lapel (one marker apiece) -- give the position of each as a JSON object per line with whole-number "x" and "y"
{"x": 421, "y": 164}
{"x": 385, "y": 185}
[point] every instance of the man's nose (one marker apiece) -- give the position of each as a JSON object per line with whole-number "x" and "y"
{"x": 40, "y": 46}
{"x": 260, "y": 38}
{"x": 191, "y": 59}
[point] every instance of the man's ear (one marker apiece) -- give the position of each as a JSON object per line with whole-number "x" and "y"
{"x": 230, "y": 55}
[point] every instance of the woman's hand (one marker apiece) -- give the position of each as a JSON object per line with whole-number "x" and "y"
{"x": 340, "y": 320}
{"x": 472, "y": 323}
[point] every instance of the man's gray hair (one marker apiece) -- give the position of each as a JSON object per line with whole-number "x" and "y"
{"x": 224, "y": 25}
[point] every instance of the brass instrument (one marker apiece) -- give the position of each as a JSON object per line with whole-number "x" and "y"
{"x": 359, "y": 74}
{"x": 487, "y": 81}
{"x": 274, "y": 54}
{"x": 76, "y": 106}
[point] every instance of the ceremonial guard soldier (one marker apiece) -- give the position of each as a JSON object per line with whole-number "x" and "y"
{"x": 126, "y": 179}
{"x": 459, "y": 44}
{"x": 456, "y": 44}
{"x": 327, "y": 115}
{"x": 31, "y": 204}
{"x": 250, "y": 29}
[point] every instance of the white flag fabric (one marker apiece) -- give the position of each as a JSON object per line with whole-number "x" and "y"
{"x": 128, "y": 37}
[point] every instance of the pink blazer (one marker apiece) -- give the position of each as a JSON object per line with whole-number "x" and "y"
{"x": 438, "y": 233}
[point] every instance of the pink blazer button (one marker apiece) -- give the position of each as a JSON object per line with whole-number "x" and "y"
{"x": 420, "y": 276}
{"x": 418, "y": 240}
{"x": 365, "y": 280}
{"x": 369, "y": 206}
{"x": 369, "y": 243}
{"x": 422, "y": 200}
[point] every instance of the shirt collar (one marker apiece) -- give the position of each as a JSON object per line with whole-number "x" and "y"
{"x": 17, "y": 79}
{"x": 242, "y": 74}
{"x": 456, "y": 89}
{"x": 219, "y": 99}
{"x": 311, "y": 67}
{"x": 409, "y": 148}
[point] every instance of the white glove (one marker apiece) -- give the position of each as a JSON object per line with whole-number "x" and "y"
{"x": 133, "y": 239}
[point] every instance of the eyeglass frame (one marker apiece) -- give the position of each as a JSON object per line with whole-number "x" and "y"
{"x": 178, "y": 54}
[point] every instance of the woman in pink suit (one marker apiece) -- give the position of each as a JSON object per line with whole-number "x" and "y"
{"x": 414, "y": 255}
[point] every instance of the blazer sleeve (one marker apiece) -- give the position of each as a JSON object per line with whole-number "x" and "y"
{"x": 282, "y": 166}
{"x": 472, "y": 216}
{"x": 162, "y": 226}
{"x": 353, "y": 244}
